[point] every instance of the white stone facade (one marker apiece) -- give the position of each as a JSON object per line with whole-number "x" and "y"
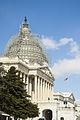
{"x": 26, "y": 54}
{"x": 39, "y": 82}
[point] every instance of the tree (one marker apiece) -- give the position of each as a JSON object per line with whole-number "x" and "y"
{"x": 14, "y": 98}
{"x": 34, "y": 111}
{"x": 2, "y": 71}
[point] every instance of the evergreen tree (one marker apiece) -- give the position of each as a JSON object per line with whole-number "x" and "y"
{"x": 2, "y": 71}
{"x": 14, "y": 98}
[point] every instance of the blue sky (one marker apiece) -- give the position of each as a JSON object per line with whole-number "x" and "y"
{"x": 58, "y": 24}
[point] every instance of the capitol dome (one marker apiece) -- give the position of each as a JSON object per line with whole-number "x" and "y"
{"x": 26, "y": 46}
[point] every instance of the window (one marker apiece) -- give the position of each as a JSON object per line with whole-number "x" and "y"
{"x": 55, "y": 98}
{"x": 65, "y": 102}
{"x": 62, "y": 118}
{"x": 41, "y": 118}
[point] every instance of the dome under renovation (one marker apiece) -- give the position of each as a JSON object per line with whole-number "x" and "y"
{"x": 26, "y": 46}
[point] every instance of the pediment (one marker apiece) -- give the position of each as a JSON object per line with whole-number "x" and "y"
{"x": 72, "y": 96}
{"x": 47, "y": 71}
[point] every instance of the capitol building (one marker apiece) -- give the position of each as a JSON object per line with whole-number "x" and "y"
{"x": 26, "y": 52}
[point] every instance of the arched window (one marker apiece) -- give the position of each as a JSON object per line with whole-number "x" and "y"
{"x": 62, "y": 118}
{"x": 47, "y": 114}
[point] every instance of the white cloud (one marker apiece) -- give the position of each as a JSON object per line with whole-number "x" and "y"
{"x": 49, "y": 43}
{"x": 74, "y": 48}
{"x": 64, "y": 41}
{"x": 52, "y": 44}
{"x": 66, "y": 66}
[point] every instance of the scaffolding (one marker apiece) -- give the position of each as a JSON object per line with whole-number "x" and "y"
{"x": 26, "y": 46}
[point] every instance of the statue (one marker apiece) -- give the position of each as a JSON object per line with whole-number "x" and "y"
{"x": 25, "y": 19}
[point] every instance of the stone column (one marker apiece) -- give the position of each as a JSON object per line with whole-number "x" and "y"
{"x": 52, "y": 90}
{"x": 33, "y": 89}
{"x": 36, "y": 88}
{"x": 45, "y": 90}
{"x": 27, "y": 82}
{"x": 23, "y": 78}
{"x": 6, "y": 118}
{"x": 41, "y": 88}
{"x": 49, "y": 91}
{"x": 21, "y": 75}
{"x": 30, "y": 86}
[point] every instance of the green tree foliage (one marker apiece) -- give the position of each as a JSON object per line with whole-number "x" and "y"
{"x": 2, "y": 71}
{"x": 14, "y": 98}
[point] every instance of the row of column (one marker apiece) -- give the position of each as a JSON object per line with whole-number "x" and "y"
{"x": 38, "y": 88}
{"x": 45, "y": 89}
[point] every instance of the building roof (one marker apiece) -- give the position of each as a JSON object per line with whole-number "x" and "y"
{"x": 26, "y": 46}
{"x": 64, "y": 94}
